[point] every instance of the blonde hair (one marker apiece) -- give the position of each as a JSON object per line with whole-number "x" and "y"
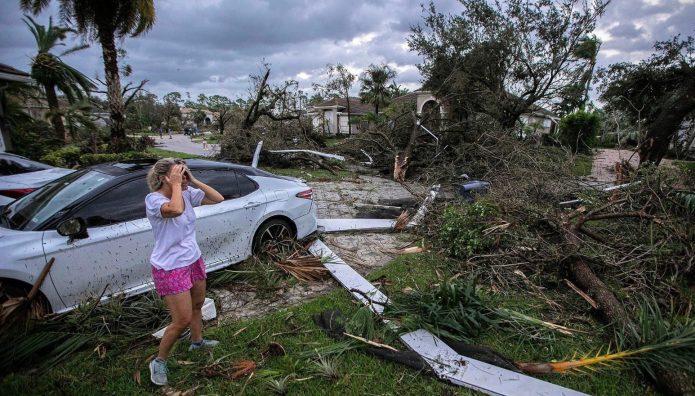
{"x": 160, "y": 169}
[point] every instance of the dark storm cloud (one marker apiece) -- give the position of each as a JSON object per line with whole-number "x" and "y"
{"x": 212, "y": 46}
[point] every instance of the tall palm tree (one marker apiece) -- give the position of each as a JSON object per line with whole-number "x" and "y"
{"x": 104, "y": 21}
{"x": 375, "y": 86}
{"x": 52, "y": 73}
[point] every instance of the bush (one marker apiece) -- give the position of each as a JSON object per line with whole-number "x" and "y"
{"x": 461, "y": 232}
{"x": 579, "y": 130}
{"x": 93, "y": 159}
{"x": 33, "y": 139}
{"x": 64, "y": 157}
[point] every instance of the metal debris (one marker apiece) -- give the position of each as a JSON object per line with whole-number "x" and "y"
{"x": 425, "y": 207}
{"x": 445, "y": 362}
{"x": 318, "y": 153}
{"x": 342, "y": 225}
{"x": 257, "y": 155}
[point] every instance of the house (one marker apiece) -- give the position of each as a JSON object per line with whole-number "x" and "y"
{"x": 8, "y": 75}
{"x": 187, "y": 116}
{"x": 537, "y": 119}
{"x": 331, "y": 115}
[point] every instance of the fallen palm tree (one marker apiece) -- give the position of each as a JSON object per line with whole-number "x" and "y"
{"x": 304, "y": 267}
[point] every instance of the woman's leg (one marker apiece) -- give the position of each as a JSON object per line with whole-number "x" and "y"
{"x": 180, "y": 307}
{"x": 197, "y": 301}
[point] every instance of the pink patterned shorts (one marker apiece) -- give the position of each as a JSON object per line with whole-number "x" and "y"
{"x": 178, "y": 280}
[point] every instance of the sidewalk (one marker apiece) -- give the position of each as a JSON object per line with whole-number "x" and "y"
{"x": 183, "y": 144}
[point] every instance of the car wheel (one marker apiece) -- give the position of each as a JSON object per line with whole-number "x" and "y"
{"x": 273, "y": 236}
{"x": 9, "y": 290}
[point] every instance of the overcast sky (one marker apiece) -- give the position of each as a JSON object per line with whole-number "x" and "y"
{"x": 211, "y": 46}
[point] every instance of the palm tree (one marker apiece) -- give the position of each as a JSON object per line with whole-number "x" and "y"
{"x": 104, "y": 21}
{"x": 51, "y": 72}
{"x": 375, "y": 86}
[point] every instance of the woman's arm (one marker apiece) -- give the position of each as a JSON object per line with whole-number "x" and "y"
{"x": 211, "y": 195}
{"x": 174, "y": 207}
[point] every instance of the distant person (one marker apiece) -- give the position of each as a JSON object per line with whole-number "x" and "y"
{"x": 205, "y": 143}
{"x": 160, "y": 133}
{"x": 177, "y": 265}
{"x": 169, "y": 130}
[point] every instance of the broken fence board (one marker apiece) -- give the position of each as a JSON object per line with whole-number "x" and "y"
{"x": 445, "y": 362}
{"x": 338, "y": 225}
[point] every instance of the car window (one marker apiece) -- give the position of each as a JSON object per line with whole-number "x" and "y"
{"x": 14, "y": 166}
{"x": 224, "y": 181}
{"x": 33, "y": 209}
{"x": 246, "y": 185}
{"x": 122, "y": 203}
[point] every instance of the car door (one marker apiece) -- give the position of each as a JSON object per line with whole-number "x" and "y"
{"x": 114, "y": 258}
{"x": 225, "y": 230}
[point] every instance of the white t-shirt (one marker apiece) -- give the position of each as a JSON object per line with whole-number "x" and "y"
{"x": 175, "y": 244}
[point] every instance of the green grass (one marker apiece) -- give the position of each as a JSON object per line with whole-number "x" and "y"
{"x": 167, "y": 153}
{"x": 582, "y": 165}
{"x": 212, "y": 139}
{"x": 311, "y": 175}
{"x": 359, "y": 373}
{"x": 687, "y": 166}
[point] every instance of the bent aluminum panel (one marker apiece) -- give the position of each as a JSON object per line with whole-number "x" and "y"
{"x": 445, "y": 362}
{"x": 338, "y": 225}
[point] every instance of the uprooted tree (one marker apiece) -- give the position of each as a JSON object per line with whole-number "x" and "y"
{"x": 501, "y": 58}
{"x": 658, "y": 92}
{"x": 275, "y": 102}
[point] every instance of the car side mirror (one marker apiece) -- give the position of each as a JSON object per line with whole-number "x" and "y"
{"x": 74, "y": 229}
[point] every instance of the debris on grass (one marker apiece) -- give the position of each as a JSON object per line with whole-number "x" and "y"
{"x": 18, "y": 312}
{"x": 326, "y": 367}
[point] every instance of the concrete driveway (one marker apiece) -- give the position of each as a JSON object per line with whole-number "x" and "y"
{"x": 183, "y": 144}
{"x": 365, "y": 252}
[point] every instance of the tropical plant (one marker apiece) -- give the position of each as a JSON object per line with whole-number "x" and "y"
{"x": 463, "y": 230}
{"x": 451, "y": 309}
{"x": 105, "y": 21}
{"x": 375, "y": 86}
{"x": 52, "y": 73}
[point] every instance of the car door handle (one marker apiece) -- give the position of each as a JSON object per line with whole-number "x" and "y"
{"x": 251, "y": 204}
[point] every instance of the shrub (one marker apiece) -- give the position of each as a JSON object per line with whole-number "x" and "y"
{"x": 579, "y": 130}
{"x": 461, "y": 232}
{"x": 64, "y": 157}
{"x": 33, "y": 139}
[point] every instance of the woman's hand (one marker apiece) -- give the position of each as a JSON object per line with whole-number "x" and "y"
{"x": 189, "y": 175}
{"x": 175, "y": 175}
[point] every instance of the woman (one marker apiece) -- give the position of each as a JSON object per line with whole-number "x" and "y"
{"x": 177, "y": 266}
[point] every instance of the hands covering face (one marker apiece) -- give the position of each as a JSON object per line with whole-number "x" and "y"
{"x": 176, "y": 174}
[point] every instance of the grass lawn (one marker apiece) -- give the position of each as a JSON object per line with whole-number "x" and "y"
{"x": 688, "y": 166}
{"x": 167, "y": 153}
{"x": 582, "y": 165}
{"x": 358, "y": 373}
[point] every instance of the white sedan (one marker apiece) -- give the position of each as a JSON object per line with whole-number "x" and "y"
{"x": 93, "y": 222}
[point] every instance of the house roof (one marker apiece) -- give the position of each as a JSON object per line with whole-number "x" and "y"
{"x": 9, "y": 73}
{"x": 356, "y": 105}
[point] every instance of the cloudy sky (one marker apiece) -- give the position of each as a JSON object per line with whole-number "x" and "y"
{"x": 211, "y": 46}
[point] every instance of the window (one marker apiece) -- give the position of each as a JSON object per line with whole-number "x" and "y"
{"x": 14, "y": 166}
{"x": 122, "y": 203}
{"x": 224, "y": 181}
{"x": 246, "y": 185}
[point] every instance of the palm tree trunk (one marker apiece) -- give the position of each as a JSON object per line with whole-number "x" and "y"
{"x": 56, "y": 118}
{"x": 113, "y": 88}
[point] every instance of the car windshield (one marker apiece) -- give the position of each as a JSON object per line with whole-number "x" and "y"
{"x": 33, "y": 209}
{"x": 16, "y": 165}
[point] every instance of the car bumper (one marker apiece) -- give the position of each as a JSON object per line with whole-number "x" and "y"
{"x": 306, "y": 224}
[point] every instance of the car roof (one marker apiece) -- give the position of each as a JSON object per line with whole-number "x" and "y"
{"x": 122, "y": 168}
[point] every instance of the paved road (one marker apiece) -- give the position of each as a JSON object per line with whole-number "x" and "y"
{"x": 603, "y": 169}
{"x": 183, "y": 144}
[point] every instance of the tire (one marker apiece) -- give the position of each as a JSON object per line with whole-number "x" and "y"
{"x": 14, "y": 289}
{"x": 274, "y": 234}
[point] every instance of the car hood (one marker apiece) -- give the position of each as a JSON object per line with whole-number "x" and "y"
{"x": 32, "y": 179}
